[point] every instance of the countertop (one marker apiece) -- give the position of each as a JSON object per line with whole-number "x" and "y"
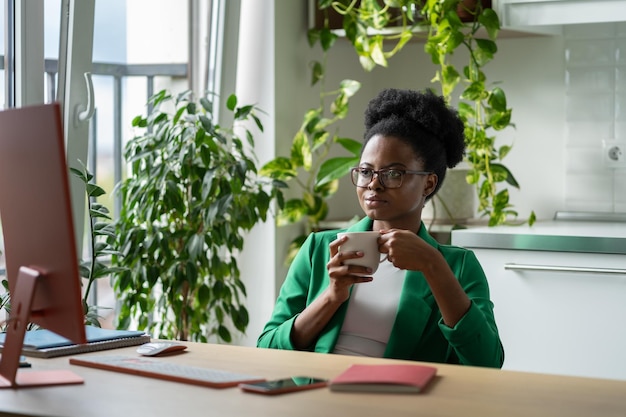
{"x": 549, "y": 235}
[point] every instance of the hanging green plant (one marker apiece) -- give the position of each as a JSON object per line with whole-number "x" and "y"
{"x": 379, "y": 29}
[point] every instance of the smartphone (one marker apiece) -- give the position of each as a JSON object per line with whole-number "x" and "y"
{"x": 282, "y": 386}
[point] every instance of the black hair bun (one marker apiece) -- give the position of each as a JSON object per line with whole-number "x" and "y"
{"x": 425, "y": 111}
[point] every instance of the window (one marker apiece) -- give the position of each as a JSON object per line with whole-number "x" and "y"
{"x": 132, "y": 49}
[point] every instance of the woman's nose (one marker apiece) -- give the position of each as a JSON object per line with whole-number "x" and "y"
{"x": 375, "y": 183}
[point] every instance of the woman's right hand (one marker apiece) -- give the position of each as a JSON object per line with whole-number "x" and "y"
{"x": 312, "y": 320}
{"x": 342, "y": 276}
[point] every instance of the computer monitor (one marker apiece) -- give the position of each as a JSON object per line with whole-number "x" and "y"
{"x": 39, "y": 242}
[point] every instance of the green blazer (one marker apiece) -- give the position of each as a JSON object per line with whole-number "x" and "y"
{"x": 418, "y": 332}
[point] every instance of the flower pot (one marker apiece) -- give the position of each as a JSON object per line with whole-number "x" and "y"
{"x": 466, "y": 6}
{"x": 335, "y": 20}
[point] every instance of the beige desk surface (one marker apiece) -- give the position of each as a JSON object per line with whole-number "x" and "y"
{"x": 457, "y": 391}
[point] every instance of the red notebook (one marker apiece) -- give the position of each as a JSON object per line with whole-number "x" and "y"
{"x": 384, "y": 378}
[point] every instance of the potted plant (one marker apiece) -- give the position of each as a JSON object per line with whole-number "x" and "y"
{"x": 192, "y": 194}
{"x": 101, "y": 238}
{"x": 371, "y": 26}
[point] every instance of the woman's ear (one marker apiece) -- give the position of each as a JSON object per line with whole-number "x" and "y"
{"x": 431, "y": 184}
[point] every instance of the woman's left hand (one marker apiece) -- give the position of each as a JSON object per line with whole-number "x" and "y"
{"x": 405, "y": 249}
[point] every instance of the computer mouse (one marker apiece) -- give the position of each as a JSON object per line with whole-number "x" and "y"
{"x": 160, "y": 348}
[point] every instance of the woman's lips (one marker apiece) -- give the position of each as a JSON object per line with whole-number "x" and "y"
{"x": 374, "y": 202}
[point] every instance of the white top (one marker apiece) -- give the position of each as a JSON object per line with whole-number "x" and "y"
{"x": 371, "y": 313}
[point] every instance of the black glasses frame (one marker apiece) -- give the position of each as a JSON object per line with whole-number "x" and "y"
{"x": 354, "y": 175}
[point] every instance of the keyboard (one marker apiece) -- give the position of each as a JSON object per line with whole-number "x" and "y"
{"x": 163, "y": 369}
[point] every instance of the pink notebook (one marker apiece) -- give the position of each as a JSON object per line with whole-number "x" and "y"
{"x": 384, "y": 378}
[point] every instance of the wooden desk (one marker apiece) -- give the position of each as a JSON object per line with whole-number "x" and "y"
{"x": 457, "y": 391}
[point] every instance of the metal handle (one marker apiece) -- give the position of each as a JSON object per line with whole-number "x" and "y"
{"x": 555, "y": 268}
{"x": 86, "y": 113}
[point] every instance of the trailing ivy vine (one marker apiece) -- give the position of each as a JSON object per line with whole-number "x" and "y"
{"x": 372, "y": 26}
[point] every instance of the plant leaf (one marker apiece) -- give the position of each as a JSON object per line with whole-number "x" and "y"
{"x": 335, "y": 168}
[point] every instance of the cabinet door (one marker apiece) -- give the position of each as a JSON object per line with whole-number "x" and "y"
{"x": 545, "y": 13}
{"x": 568, "y": 319}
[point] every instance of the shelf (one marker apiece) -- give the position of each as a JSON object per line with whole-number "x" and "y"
{"x": 507, "y": 31}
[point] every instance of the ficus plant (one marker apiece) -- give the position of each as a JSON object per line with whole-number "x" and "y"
{"x": 311, "y": 170}
{"x": 378, "y": 29}
{"x": 191, "y": 195}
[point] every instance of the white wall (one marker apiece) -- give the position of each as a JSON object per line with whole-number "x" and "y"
{"x": 595, "y": 66}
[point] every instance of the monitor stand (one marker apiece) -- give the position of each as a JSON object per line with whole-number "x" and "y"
{"x": 21, "y": 303}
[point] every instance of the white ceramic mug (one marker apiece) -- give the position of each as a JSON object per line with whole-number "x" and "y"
{"x": 366, "y": 242}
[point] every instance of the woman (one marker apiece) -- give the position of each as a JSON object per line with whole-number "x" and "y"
{"x": 426, "y": 301}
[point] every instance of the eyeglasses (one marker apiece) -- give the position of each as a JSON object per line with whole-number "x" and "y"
{"x": 388, "y": 178}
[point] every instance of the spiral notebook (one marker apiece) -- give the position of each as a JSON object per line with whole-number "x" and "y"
{"x": 46, "y": 344}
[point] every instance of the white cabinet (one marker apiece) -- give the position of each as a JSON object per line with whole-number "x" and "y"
{"x": 520, "y": 13}
{"x": 569, "y": 318}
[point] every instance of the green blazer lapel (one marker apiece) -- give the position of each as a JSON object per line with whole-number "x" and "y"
{"x": 411, "y": 318}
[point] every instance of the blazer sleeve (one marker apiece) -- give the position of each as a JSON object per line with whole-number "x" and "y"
{"x": 292, "y": 299}
{"x": 475, "y": 337}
